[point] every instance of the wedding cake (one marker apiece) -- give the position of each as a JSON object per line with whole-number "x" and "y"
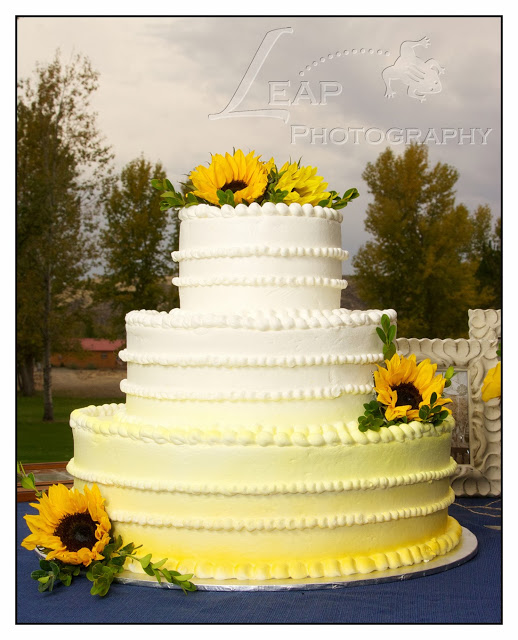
{"x": 238, "y": 452}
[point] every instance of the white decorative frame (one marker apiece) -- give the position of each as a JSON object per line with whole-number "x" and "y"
{"x": 485, "y": 324}
{"x": 482, "y": 477}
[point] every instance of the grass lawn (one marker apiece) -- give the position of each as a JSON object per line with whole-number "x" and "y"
{"x": 38, "y": 441}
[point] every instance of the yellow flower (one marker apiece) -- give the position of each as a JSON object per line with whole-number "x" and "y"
{"x": 302, "y": 184}
{"x": 404, "y": 387}
{"x": 73, "y": 525}
{"x": 492, "y": 385}
{"x": 245, "y": 176}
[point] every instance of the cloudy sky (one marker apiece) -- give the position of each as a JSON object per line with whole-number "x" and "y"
{"x": 161, "y": 78}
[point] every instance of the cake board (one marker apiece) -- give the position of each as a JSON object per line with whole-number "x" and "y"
{"x": 466, "y": 549}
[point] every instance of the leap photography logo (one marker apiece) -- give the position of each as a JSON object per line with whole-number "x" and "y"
{"x": 409, "y": 74}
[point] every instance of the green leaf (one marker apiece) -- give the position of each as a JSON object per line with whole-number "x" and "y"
{"x": 433, "y": 398}
{"x": 385, "y": 323}
{"x": 389, "y": 351}
{"x": 423, "y": 413}
{"x": 149, "y": 571}
{"x": 35, "y": 575}
{"x": 450, "y": 372}
{"x": 27, "y": 483}
{"x": 167, "y": 575}
{"x": 391, "y": 333}
{"x": 351, "y": 194}
{"x": 66, "y": 579}
{"x": 185, "y": 577}
{"x": 381, "y": 334}
{"x": 157, "y": 184}
{"x": 169, "y": 185}
{"x": 145, "y": 560}
{"x": 157, "y": 565}
{"x": 443, "y": 415}
{"x": 55, "y": 569}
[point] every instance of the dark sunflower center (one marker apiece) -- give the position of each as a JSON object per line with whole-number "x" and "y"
{"x": 77, "y": 530}
{"x": 407, "y": 394}
{"x": 235, "y": 185}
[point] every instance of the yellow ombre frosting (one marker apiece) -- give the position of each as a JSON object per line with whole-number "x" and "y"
{"x": 237, "y": 452}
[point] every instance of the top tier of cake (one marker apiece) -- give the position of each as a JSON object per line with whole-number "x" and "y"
{"x": 269, "y": 257}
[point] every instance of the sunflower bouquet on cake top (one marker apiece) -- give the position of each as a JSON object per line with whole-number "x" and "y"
{"x": 405, "y": 391}
{"x": 242, "y": 179}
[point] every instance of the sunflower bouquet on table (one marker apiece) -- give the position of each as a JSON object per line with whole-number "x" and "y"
{"x": 406, "y": 391}
{"x": 72, "y": 530}
{"x": 242, "y": 179}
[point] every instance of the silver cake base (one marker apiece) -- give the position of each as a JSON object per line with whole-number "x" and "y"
{"x": 466, "y": 549}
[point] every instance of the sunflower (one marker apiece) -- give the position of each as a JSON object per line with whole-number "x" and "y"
{"x": 302, "y": 184}
{"x": 72, "y": 526}
{"x": 492, "y": 385}
{"x": 404, "y": 387}
{"x": 245, "y": 176}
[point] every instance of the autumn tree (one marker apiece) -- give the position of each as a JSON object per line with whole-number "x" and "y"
{"x": 136, "y": 243}
{"x": 422, "y": 259}
{"x": 60, "y": 157}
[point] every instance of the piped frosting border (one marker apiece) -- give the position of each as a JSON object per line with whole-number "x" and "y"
{"x": 112, "y": 420}
{"x": 406, "y": 555}
{"x": 201, "y": 211}
{"x": 334, "y": 486}
{"x": 247, "y": 251}
{"x": 258, "y": 321}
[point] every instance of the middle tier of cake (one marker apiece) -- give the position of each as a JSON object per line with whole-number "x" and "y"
{"x": 274, "y": 368}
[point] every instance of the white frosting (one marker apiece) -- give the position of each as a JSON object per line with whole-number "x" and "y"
{"x": 255, "y": 209}
{"x": 181, "y": 359}
{"x": 269, "y": 257}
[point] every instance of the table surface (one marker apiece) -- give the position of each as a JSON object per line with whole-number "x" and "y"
{"x": 470, "y": 593}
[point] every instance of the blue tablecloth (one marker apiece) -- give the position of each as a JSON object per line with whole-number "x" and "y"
{"x": 470, "y": 593}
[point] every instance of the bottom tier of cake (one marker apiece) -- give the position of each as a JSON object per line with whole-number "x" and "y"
{"x": 306, "y": 501}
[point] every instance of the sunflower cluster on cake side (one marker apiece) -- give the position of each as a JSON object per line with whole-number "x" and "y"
{"x": 405, "y": 391}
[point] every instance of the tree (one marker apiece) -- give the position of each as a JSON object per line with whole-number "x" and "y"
{"x": 136, "y": 243}
{"x": 60, "y": 157}
{"x": 487, "y": 253}
{"x": 422, "y": 260}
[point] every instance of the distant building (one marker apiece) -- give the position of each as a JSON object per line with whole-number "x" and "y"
{"x": 91, "y": 353}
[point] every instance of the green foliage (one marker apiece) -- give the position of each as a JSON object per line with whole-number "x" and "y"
{"x": 387, "y": 334}
{"x": 136, "y": 242}
{"x": 450, "y": 372}
{"x": 102, "y": 572}
{"x": 52, "y": 572}
{"x": 226, "y": 197}
{"x": 433, "y": 413}
{"x": 336, "y": 202}
{"x": 27, "y": 480}
{"x": 420, "y": 259}
{"x": 170, "y": 198}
